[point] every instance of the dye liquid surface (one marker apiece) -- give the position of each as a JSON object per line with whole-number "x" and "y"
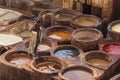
{"x": 86, "y": 21}
{"x": 48, "y": 67}
{"x": 66, "y": 53}
{"x": 60, "y": 35}
{"x": 98, "y": 61}
{"x": 86, "y": 38}
{"x": 64, "y": 17}
{"x": 78, "y": 75}
{"x": 112, "y": 49}
{"x": 20, "y": 60}
{"x": 43, "y": 47}
{"x": 116, "y": 27}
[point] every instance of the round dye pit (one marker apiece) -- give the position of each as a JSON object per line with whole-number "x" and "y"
{"x": 48, "y": 67}
{"x": 87, "y": 21}
{"x": 86, "y": 35}
{"x": 98, "y": 58}
{"x": 112, "y": 49}
{"x": 86, "y": 38}
{"x": 18, "y": 58}
{"x": 79, "y": 73}
{"x": 67, "y": 52}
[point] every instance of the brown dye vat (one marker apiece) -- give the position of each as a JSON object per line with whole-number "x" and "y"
{"x": 47, "y": 65}
{"x": 86, "y": 21}
{"x": 60, "y": 34}
{"x": 22, "y": 72}
{"x": 86, "y": 38}
{"x": 18, "y": 58}
{"x": 113, "y": 30}
{"x": 98, "y": 58}
{"x": 9, "y": 69}
{"x": 117, "y": 77}
{"x": 22, "y": 28}
{"x": 80, "y": 72}
{"x": 64, "y": 16}
{"x": 101, "y": 60}
{"x": 47, "y": 18}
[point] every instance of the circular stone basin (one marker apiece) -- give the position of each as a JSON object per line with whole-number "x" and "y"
{"x": 58, "y": 33}
{"x": 19, "y": 58}
{"x": 87, "y": 20}
{"x": 98, "y": 58}
{"x": 86, "y": 35}
{"x": 47, "y": 65}
{"x": 44, "y": 46}
{"x": 112, "y": 49}
{"x": 66, "y": 52}
{"x": 77, "y": 73}
{"x": 9, "y": 39}
{"x": 64, "y": 17}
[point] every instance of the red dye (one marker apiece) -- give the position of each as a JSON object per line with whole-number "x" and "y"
{"x": 112, "y": 49}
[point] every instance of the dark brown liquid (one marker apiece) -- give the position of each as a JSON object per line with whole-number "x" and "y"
{"x": 78, "y": 75}
{"x": 48, "y": 67}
